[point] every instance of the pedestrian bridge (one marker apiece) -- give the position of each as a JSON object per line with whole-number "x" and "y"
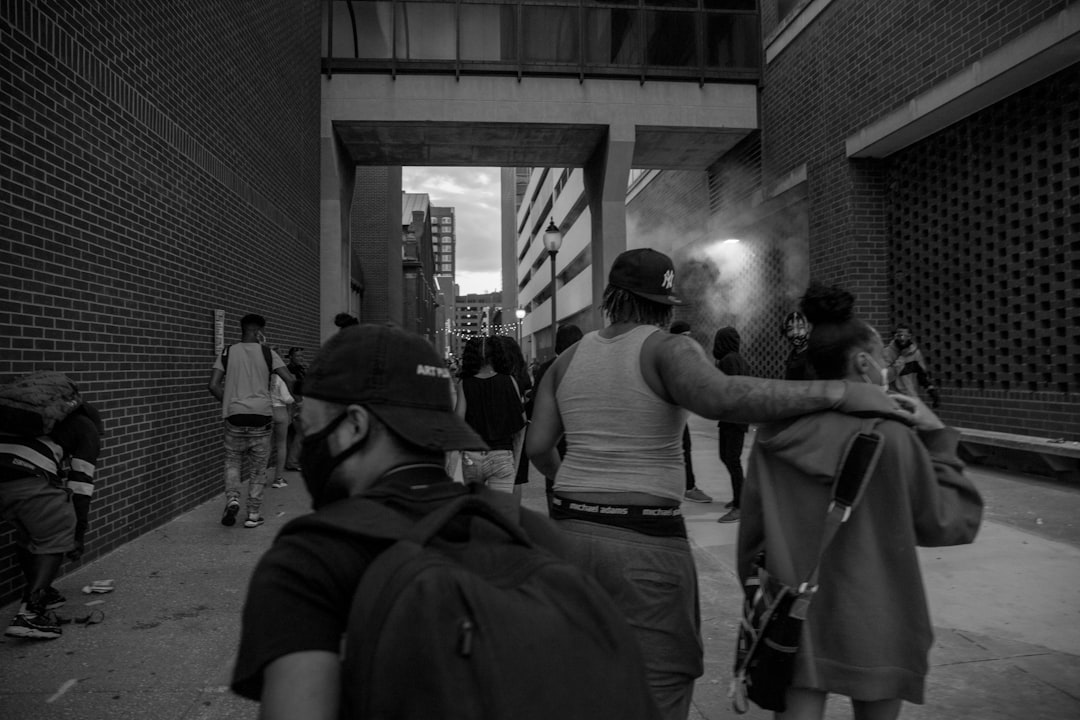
{"x": 605, "y": 86}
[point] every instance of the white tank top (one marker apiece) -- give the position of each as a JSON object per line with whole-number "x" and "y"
{"x": 620, "y": 436}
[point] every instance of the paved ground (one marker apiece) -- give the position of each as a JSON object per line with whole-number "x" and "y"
{"x": 1006, "y": 611}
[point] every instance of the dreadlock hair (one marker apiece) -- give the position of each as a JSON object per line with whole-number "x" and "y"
{"x": 620, "y": 306}
{"x": 835, "y": 331}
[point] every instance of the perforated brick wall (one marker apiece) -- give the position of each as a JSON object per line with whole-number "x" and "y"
{"x": 159, "y": 162}
{"x": 986, "y": 259}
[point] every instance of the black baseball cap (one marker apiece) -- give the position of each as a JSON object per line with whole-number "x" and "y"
{"x": 399, "y": 377}
{"x": 646, "y": 273}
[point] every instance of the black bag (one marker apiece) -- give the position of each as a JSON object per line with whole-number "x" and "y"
{"x": 773, "y": 612}
{"x": 34, "y": 404}
{"x": 466, "y": 618}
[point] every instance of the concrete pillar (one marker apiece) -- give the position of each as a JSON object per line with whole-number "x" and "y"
{"x": 395, "y": 272}
{"x": 509, "y": 244}
{"x": 607, "y": 174}
{"x": 335, "y": 194}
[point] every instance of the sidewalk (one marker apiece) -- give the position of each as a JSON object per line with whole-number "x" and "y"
{"x": 1005, "y": 609}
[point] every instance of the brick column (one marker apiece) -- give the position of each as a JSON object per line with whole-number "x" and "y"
{"x": 849, "y": 233}
{"x": 335, "y": 196}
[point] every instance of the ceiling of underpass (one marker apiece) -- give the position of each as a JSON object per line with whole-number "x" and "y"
{"x": 457, "y": 144}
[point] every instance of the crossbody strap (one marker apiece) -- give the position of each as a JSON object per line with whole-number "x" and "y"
{"x": 860, "y": 458}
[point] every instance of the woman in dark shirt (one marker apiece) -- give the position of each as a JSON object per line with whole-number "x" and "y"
{"x": 489, "y": 398}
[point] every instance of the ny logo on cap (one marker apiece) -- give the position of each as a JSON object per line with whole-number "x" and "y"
{"x": 669, "y": 279}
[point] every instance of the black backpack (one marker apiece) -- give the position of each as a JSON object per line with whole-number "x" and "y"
{"x": 465, "y": 617}
{"x": 35, "y": 404}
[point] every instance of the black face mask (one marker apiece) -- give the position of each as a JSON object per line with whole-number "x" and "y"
{"x": 317, "y": 464}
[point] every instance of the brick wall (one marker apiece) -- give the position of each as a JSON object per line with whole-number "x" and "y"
{"x": 159, "y": 162}
{"x": 985, "y": 221}
{"x": 847, "y": 69}
{"x": 369, "y": 239}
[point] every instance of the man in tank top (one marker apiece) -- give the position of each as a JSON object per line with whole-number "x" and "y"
{"x": 620, "y": 396}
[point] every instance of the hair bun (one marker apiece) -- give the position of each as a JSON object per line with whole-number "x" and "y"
{"x": 827, "y": 304}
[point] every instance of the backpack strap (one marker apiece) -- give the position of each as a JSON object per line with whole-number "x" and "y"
{"x": 267, "y": 356}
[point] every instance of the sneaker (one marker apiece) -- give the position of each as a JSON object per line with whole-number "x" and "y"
{"x": 52, "y": 598}
{"x": 280, "y": 483}
{"x": 696, "y": 495}
{"x": 731, "y": 515}
{"x": 254, "y": 520}
{"x": 729, "y": 504}
{"x": 228, "y": 519}
{"x": 34, "y": 626}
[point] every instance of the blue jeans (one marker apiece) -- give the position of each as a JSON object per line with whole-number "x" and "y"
{"x": 246, "y": 452}
{"x": 653, "y": 581}
{"x": 493, "y": 468}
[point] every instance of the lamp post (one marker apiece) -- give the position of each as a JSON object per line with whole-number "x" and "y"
{"x": 553, "y": 241}
{"x": 520, "y": 314}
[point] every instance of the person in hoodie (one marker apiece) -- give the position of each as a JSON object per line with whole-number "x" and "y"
{"x": 868, "y": 631}
{"x": 731, "y": 435}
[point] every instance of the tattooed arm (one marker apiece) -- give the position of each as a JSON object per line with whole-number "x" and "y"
{"x": 676, "y": 368}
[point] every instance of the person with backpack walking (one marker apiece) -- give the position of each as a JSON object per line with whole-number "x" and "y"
{"x": 240, "y": 380}
{"x": 46, "y": 482}
{"x": 621, "y": 395}
{"x": 867, "y": 632}
{"x": 407, "y": 595}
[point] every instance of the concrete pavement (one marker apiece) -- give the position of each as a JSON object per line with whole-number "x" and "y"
{"x": 1005, "y": 609}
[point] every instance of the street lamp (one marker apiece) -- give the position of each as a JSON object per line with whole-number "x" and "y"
{"x": 520, "y": 313}
{"x": 553, "y": 241}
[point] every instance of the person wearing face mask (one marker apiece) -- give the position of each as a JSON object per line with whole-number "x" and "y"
{"x": 908, "y": 373}
{"x": 868, "y": 630}
{"x": 377, "y": 420}
{"x": 796, "y": 330}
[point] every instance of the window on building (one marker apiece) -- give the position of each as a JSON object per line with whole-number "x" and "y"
{"x": 670, "y": 39}
{"x": 488, "y": 33}
{"x": 421, "y": 31}
{"x": 552, "y": 36}
{"x": 731, "y": 41}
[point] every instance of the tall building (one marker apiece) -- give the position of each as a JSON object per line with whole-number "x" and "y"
{"x": 420, "y": 288}
{"x": 444, "y": 239}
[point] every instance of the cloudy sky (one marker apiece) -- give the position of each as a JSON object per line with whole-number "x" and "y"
{"x": 474, "y": 194}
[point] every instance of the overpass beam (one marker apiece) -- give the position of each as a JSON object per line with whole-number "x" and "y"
{"x": 607, "y": 174}
{"x": 338, "y": 176}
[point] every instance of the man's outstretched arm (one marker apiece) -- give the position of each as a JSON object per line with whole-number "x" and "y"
{"x": 692, "y": 382}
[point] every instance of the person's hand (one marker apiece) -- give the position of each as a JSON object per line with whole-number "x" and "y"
{"x": 77, "y": 551}
{"x": 922, "y": 417}
{"x": 867, "y": 399}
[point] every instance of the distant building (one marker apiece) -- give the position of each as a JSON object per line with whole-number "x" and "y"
{"x": 476, "y": 314}
{"x": 420, "y": 293}
{"x": 443, "y": 239}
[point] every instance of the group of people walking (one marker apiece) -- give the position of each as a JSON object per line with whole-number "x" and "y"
{"x": 378, "y": 416}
